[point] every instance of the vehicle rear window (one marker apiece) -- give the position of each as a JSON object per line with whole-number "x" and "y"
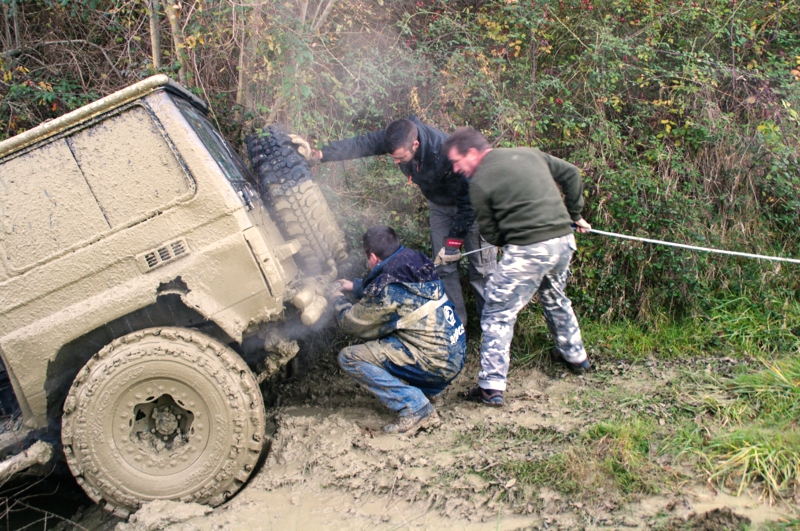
{"x": 47, "y": 205}
{"x": 129, "y": 166}
{"x": 229, "y": 161}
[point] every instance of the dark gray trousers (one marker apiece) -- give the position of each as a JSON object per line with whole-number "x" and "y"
{"x": 481, "y": 265}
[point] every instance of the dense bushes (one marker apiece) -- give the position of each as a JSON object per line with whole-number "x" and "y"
{"x": 682, "y": 115}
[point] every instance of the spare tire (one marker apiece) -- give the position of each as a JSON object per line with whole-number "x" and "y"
{"x": 295, "y": 200}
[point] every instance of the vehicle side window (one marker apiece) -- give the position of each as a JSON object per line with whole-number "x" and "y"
{"x": 46, "y": 205}
{"x": 228, "y": 160}
{"x": 129, "y": 166}
{"x": 72, "y": 190}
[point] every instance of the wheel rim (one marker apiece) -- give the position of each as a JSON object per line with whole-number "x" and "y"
{"x": 161, "y": 425}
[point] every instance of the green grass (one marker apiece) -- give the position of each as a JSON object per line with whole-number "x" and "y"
{"x": 745, "y": 430}
{"x": 774, "y": 391}
{"x": 738, "y": 327}
{"x": 767, "y": 457}
{"x": 624, "y": 450}
{"x": 608, "y": 459}
{"x": 792, "y": 524}
{"x": 572, "y": 472}
{"x": 611, "y": 460}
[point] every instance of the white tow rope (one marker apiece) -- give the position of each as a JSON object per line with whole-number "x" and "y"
{"x": 695, "y": 248}
{"x": 680, "y": 245}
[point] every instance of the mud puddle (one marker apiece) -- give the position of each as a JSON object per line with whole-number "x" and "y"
{"x": 329, "y": 467}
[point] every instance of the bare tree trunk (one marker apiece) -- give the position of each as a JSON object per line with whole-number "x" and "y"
{"x": 303, "y": 11}
{"x": 250, "y": 37}
{"x": 15, "y": 18}
{"x": 316, "y": 24}
{"x": 7, "y": 26}
{"x": 155, "y": 34}
{"x": 533, "y": 81}
{"x": 241, "y": 89}
{"x": 178, "y": 42}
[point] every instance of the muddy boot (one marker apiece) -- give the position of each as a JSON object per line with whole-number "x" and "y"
{"x": 576, "y": 368}
{"x": 425, "y": 417}
{"x": 489, "y": 397}
{"x": 436, "y": 400}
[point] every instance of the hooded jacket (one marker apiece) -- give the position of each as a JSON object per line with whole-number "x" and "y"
{"x": 396, "y": 287}
{"x": 430, "y": 169}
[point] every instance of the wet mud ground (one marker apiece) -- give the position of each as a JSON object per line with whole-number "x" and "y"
{"x": 330, "y": 467}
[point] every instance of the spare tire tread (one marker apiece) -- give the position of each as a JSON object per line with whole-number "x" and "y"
{"x": 301, "y": 209}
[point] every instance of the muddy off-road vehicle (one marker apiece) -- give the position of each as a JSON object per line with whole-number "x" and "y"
{"x": 145, "y": 280}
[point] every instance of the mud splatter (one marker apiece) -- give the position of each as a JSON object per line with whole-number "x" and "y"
{"x": 326, "y": 470}
{"x": 716, "y": 520}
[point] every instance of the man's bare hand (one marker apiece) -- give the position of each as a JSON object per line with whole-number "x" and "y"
{"x": 312, "y": 156}
{"x": 315, "y": 158}
{"x": 582, "y": 226}
{"x": 345, "y": 285}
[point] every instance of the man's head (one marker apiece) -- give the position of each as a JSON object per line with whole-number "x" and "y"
{"x": 465, "y": 148}
{"x": 379, "y": 243}
{"x": 400, "y": 140}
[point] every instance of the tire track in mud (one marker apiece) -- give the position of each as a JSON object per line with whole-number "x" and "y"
{"x": 328, "y": 468}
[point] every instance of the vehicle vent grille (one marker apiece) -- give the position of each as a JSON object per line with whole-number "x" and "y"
{"x": 177, "y": 248}
{"x": 161, "y": 255}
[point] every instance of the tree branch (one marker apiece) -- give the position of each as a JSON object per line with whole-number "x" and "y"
{"x": 17, "y": 51}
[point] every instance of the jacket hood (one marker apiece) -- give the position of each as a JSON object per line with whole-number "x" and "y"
{"x": 404, "y": 266}
{"x": 429, "y": 145}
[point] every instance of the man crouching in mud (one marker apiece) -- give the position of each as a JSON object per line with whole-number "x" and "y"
{"x": 417, "y": 342}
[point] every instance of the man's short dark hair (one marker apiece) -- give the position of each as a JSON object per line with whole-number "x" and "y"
{"x": 399, "y": 134}
{"x": 463, "y": 139}
{"x": 381, "y": 240}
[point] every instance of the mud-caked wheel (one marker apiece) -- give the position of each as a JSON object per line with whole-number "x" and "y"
{"x": 163, "y": 413}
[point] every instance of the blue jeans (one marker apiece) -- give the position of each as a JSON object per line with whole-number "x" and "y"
{"x": 403, "y": 388}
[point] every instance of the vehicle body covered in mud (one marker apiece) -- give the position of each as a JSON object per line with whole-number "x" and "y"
{"x": 140, "y": 273}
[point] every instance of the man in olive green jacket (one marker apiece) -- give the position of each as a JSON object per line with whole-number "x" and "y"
{"x": 516, "y": 194}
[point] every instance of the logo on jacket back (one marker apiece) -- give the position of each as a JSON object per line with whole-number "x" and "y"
{"x": 456, "y": 335}
{"x": 448, "y": 316}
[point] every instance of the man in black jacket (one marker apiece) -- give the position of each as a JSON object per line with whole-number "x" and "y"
{"x": 415, "y": 148}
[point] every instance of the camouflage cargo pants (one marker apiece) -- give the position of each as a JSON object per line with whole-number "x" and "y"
{"x": 524, "y": 270}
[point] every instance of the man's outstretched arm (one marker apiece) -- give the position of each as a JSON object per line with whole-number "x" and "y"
{"x": 356, "y": 147}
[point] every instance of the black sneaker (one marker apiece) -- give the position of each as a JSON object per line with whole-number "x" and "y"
{"x": 576, "y": 368}
{"x": 489, "y": 397}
